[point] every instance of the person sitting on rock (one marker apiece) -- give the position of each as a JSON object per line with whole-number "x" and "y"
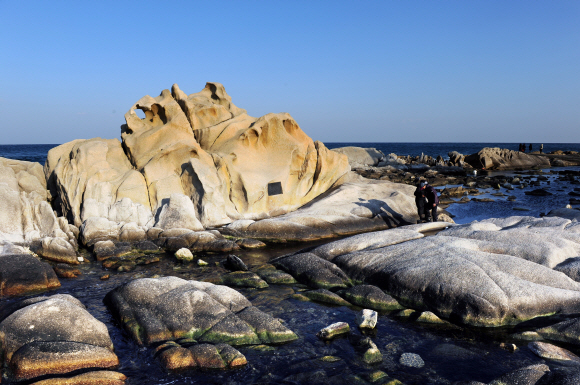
{"x": 530, "y": 147}
{"x": 426, "y": 200}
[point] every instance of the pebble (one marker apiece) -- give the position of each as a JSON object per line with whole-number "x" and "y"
{"x": 411, "y": 360}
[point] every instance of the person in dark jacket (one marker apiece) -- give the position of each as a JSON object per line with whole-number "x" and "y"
{"x": 530, "y": 147}
{"x": 426, "y": 200}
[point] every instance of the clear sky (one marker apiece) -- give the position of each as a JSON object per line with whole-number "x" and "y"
{"x": 347, "y": 71}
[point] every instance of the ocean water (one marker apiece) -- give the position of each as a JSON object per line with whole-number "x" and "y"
{"x": 38, "y": 152}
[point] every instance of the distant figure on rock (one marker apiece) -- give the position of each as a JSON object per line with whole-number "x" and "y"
{"x": 523, "y": 147}
{"x": 541, "y": 148}
{"x": 426, "y": 200}
{"x": 530, "y": 147}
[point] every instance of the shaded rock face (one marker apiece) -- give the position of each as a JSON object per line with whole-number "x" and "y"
{"x": 170, "y": 308}
{"x": 23, "y": 274}
{"x": 52, "y": 335}
{"x": 503, "y": 159}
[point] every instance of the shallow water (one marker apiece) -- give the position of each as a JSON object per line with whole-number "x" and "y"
{"x": 527, "y": 205}
{"x": 299, "y": 361}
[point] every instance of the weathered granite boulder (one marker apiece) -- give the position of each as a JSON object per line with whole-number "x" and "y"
{"x": 357, "y": 206}
{"x": 22, "y": 274}
{"x": 455, "y": 274}
{"x": 456, "y": 281}
{"x": 203, "y": 356}
{"x": 98, "y": 377}
{"x": 52, "y": 335}
{"x": 526, "y": 375}
{"x": 358, "y": 156}
{"x": 58, "y": 250}
{"x": 170, "y": 308}
{"x": 205, "y": 147}
{"x": 504, "y": 159}
{"x": 521, "y": 240}
{"x": 313, "y": 271}
{"x": 178, "y": 213}
{"x": 371, "y": 297}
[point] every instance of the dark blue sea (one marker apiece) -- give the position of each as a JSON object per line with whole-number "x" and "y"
{"x": 38, "y": 152}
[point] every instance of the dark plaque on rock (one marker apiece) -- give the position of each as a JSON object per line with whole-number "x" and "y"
{"x": 274, "y": 188}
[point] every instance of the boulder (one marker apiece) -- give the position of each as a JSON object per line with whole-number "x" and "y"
{"x": 97, "y": 229}
{"x": 367, "y": 319}
{"x": 504, "y": 159}
{"x": 58, "y": 250}
{"x": 203, "y": 146}
{"x": 22, "y": 274}
{"x": 203, "y": 356}
{"x": 358, "y": 156}
{"x": 526, "y": 375}
{"x": 179, "y": 213}
{"x": 552, "y": 352}
{"x": 99, "y": 377}
{"x": 313, "y": 271}
{"x": 184, "y": 254}
{"x": 333, "y": 330}
{"x": 53, "y": 335}
{"x": 170, "y": 308}
{"x": 371, "y": 297}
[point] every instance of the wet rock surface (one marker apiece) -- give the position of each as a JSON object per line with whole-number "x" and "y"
{"x": 162, "y": 309}
{"x": 52, "y": 335}
{"x": 22, "y": 274}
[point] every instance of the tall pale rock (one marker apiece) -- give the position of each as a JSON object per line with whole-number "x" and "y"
{"x": 232, "y": 166}
{"x": 90, "y": 176}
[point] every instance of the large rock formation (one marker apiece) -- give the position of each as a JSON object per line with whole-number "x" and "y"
{"x": 489, "y": 273}
{"x": 200, "y": 148}
{"x": 503, "y": 159}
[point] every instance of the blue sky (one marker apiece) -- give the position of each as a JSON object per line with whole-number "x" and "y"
{"x": 364, "y": 71}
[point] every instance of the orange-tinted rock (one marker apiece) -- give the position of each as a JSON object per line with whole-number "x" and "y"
{"x": 100, "y": 377}
{"x": 38, "y": 358}
{"x": 22, "y": 274}
{"x": 66, "y": 271}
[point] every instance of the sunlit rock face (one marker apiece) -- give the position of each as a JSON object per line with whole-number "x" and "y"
{"x": 199, "y": 148}
{"x": 231, "y": 165}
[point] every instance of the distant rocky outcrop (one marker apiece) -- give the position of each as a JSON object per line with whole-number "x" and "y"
{"x": 502, "y": 159}
{"x": 358, "y": 156}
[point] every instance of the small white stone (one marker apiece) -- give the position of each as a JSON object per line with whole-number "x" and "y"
{"x": 184, "y": 254}
{"x": 80, "y": 259}
{"x": 367, "y": 318}
{"x": 201, "y": 262}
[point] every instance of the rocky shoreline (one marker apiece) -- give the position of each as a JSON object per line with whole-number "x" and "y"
{"x": 184, "y": 203}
